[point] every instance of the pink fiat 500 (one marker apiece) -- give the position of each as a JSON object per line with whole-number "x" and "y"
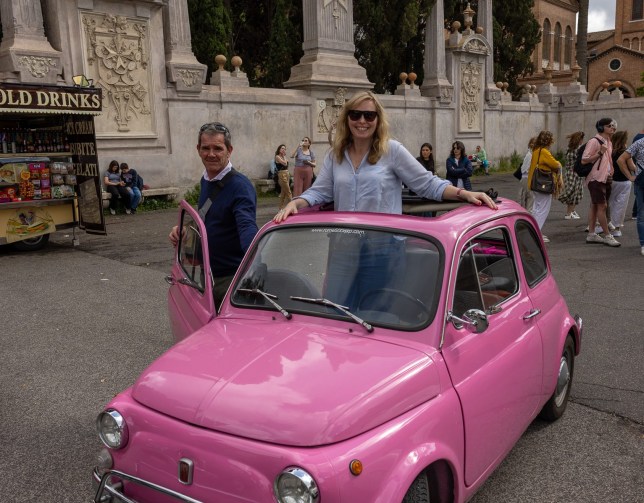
{"x": 356, "y": 358}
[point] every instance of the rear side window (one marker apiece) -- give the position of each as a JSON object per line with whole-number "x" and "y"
{"x": 532, "y": 256}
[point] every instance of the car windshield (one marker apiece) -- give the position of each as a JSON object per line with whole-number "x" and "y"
{"x": 379, "y": 277}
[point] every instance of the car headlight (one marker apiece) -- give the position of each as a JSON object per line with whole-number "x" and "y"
{"x": 295, "y": 485}
{"x": 112, "y": 429}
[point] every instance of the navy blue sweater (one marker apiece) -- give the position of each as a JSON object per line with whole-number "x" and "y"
{"x": 230, "y": 223}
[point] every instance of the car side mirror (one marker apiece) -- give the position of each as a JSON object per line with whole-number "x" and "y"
{"x": 474, "y": 319}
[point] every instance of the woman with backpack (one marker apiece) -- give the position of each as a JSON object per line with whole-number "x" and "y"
{"x": 573, "y": 190}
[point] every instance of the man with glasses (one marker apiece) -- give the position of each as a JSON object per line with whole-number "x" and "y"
{"x": 227, "y": 205}
{"x": 598, "y": 181}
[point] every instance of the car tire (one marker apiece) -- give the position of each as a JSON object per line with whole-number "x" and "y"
{"x": 32, "y": 244}
{"x": 556, "y": 404}
{"x": 419, "y": 490}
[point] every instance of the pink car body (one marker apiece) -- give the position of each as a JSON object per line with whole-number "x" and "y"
{"x": 411, "y": 395}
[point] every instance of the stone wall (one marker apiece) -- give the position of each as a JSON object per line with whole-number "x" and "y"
{"x": 155, "y": 97}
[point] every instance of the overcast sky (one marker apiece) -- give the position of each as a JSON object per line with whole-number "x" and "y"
{"x": 601, "y": 15}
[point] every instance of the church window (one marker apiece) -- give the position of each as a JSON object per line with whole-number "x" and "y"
{"x": 568, "y": 49}
{"x": 638, "y": 9}
{"x": 615, "y": 64}
{"x": 546, "y": 37}
{"x": 557, "y": 44}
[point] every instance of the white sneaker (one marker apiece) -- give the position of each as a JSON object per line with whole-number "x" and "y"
{"x": 599, "y": 230}
{"x": 129, "y": 212}
{"x": 617, "y": 233}
{"x": 568, "y": 216}
{"x": 609, "y": 240}
{"x": 113, "y": 212}
{"x": 575, "y": 215}
{"x": 594, "y": 238}
{"x": 545, "y": 239}
{"x": 611, "y": 227}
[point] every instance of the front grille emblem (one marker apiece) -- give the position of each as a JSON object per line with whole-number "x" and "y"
{"x": 186, "y": 469}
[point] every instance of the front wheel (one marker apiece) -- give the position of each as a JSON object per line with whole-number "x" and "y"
{"x": 419, "y": 490}
{"x": 556, "y": 405}
{"x": 32, "y": 244}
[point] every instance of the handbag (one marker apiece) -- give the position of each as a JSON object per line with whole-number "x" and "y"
{"x": 542, "y": 181}
{"x": 517, "y": 173}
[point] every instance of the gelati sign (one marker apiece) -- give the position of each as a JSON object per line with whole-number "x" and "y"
{"x": 25, "y": 98}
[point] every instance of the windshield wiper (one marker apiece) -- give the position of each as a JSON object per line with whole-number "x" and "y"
{"x": 269, "y": 297}
{"x": 343, "y": 309}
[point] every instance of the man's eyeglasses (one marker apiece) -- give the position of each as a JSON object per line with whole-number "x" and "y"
{"x": 368, "y": 115}
{"x": 217, "y": 126}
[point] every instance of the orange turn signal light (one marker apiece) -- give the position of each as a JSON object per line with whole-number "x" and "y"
{"x": 355, "y": 467}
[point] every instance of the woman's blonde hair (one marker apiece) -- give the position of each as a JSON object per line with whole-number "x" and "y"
{"x": 343, "y": 138}
{"x": 575, "y": 139}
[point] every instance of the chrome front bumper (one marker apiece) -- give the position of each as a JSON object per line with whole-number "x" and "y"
{"x": 109, "y": 492}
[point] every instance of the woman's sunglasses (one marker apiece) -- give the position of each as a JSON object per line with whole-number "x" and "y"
{"x": 369, "y": 116}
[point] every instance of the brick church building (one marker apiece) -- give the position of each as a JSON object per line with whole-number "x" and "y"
{"x": 613, "y": 55}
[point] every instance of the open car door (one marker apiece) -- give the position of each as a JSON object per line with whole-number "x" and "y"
{"x": 190, "y": 299}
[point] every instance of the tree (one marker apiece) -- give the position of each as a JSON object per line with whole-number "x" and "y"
{"x": 211, "y": 28}
{"x": 582, "y": 42}
{"x": 516, "y": 35}
{"x": 389, "y": 39}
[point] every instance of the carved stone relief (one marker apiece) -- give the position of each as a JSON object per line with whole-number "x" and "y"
{"x": 190, "y": 78}
{"x": 336, "y": 10}
{"x": 329, "y": 110}
{"x": 476, "y": 46}
{"x": 117, "y": 56}
{"x": 38, "y": 66}
{"x": 471, "y": 100}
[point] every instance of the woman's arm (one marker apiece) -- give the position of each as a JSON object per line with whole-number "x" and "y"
{"x": 625, "y": 162}
{"x": 548, "y": 160}
{"x": 467, "y": 167}
{"x": 452, "y": 193}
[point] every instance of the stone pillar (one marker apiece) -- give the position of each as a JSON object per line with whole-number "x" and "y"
{"x": 25, "y": 53}
{"x": 328, "y": 60}
{"x": 435, "y": 83}
{"x": 484, "y": 18}
{"x": 182, "y": 68}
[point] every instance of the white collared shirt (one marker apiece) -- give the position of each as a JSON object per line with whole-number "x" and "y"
{"x": 220, "y": 175}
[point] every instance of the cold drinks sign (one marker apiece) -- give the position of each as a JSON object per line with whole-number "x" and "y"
{"x": 60, "y": 99}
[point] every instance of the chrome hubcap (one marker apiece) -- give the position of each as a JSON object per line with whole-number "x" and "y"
{"x": 562, "y": 381}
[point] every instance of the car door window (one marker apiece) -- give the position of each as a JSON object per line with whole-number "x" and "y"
{"x": 533, "y": 259}
{"x": 486, "y": 274}
{"x": 190, "y": 254}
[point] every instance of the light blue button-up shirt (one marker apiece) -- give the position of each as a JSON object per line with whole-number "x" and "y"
{"x": 375, "y": 188}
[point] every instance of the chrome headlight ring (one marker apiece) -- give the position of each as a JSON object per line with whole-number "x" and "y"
{"x": 112, "y": 429}
{"x": 296, "y": 485}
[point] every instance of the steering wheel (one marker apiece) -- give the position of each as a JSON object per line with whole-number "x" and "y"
{"x": 417, "y": 304}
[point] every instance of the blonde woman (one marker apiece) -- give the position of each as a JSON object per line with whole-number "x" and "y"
{"x": 365, "y": 169}
{"x": 542, "y": 157}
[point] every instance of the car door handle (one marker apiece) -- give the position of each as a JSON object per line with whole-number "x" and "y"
{"x": 532, "y": 314}
{"x": 169, "y": 279}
